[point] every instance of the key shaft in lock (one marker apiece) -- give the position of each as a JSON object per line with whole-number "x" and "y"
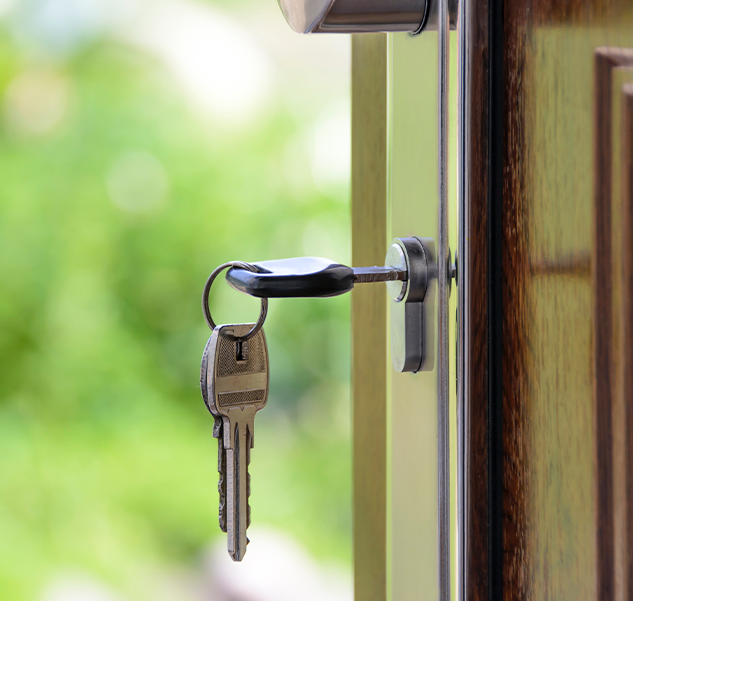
{"x": 307, "y": 277}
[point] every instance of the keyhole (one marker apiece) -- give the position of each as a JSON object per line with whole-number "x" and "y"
{"x": 240, "y": 350}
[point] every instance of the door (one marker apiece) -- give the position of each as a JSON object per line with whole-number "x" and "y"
{"x": 517, "y": 176}
{"x": 558, "y": 507}
{"x": 540, "y": 496}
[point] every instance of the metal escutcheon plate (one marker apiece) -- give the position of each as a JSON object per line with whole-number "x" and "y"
{"x": 407, "y": 307}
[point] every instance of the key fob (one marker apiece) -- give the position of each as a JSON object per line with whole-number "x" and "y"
{"x": 293, "y": 278}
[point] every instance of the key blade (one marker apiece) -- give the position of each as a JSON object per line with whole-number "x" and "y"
{"x": 238, "y": 488}
{"x": 380, "y": 274}
{"x": 207, "y": 372}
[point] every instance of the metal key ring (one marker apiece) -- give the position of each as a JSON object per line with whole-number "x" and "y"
{"x": 206, "y": 297}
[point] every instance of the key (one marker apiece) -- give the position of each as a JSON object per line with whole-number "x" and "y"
{"x": 217, "y": 432}
{"x": 235, "y": 385}
{"x": 217, "y": 429}
{"x": 310, "y": 277}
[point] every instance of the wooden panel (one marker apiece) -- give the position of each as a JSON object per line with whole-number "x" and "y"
{"x": 624, "y": 457}
{"x": 607, "y": 297}
{"x": 368, "y": 315}
{"x": 551, "y": 489}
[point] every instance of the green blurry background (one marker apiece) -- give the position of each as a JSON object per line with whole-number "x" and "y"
{"x": 141, "y": 145}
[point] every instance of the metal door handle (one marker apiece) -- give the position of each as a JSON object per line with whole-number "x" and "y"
{"x": 363, "y": 16}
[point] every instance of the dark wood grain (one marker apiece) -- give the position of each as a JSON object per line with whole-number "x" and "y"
{"x": 556, "y": 431}
{"x": 516, "y": 276}
{"x": 479, "y": 527}
{"x": 627, "y": 336}
{"x": 484, "y": 169}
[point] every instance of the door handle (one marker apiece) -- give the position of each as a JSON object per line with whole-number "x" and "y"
{"x": 363, "y": 16}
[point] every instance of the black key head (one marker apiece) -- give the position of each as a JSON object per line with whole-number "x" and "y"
{"x": 293, "y": 278}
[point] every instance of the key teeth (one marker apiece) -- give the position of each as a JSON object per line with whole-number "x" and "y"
{"x": 217, "y": 433}
{"x": 217, "y": 427}
{"x": 222, "y": 513}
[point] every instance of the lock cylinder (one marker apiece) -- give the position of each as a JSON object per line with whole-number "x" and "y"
{"x": 407, "y": 303}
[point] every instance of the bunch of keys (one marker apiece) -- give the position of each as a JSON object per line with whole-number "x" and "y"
{"x": 234, "y": 380}
{"x": 234, "y": 377}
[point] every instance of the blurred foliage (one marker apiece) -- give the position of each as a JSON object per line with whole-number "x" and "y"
{"x": 110, "y": 222}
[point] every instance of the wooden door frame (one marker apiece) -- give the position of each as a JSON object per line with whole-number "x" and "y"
{"x": 481, "y": 139}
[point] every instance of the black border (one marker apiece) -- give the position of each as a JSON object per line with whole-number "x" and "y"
{"x": 495, "y": 297}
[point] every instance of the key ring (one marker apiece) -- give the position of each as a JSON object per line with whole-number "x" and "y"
{"x": 206, "y": 297}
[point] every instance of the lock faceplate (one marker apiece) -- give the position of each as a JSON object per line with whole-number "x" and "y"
{"x": 407, "y": 306}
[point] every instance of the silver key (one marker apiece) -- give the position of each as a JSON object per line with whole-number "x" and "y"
{"x": 217, "y": 428}
{"x": 235, "y": 384}
{"x": 217, "y": 432}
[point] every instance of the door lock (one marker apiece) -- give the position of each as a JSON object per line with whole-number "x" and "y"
{"x": 405, "y": 272}
{"x": 407, "y": 306}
